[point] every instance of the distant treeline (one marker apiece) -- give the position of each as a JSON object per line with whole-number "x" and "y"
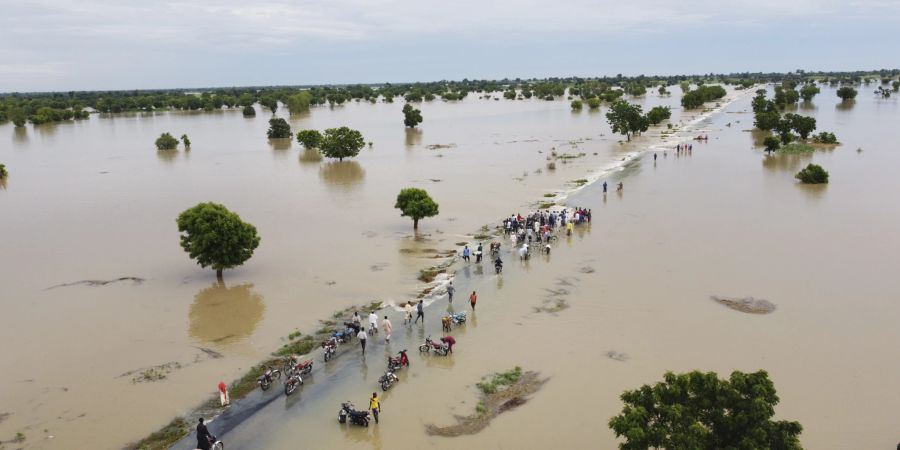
{"x": 60, "y": 106}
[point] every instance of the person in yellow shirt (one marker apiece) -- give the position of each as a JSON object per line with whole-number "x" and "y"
{"x": 375, "y": 406}
{"x": 569, "y": 228}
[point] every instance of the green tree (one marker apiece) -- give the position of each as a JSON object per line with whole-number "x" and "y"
{"x": 411, "y": 116}
{"x": 269, "y": 102}
{"x": 803, "y": 125}
{"x": 658, "y": 113}
{"x": 3, "y": 172}
{"x": 309, "y": 138}
{"x": 771, "y": 143}
{"x": 625, "y": 118}
{"x": 700, "y": 411}
{"x": 812, "y": 174}
{"x": 278, "y": 128}
{"x": 784, "y": 128}
{"x": 18, "y": 117}
{"x": 663, "y": 91}
{"x": 341, "y": 143}
{"x": 896, "y": 85}
{"x": 249, "y": 111}
{"x": 416, "y": 204}
{"x": 166, "y": 141}
{"x": 186, "y": 141}
{"x": 825, "y": 137}
{"x": 298, "y": 102}
{"x": 576, "y": 105}
{"x": 809, "y": 91}
{"x": 846, "y": 93}
{"x": 216, "y": 237}
{"x": 593, "y": 103}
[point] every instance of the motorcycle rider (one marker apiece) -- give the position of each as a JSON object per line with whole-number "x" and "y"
{"x": 204, "y": 437}
{"x": 498, "y": 264}
{"x": 450, "y": 342}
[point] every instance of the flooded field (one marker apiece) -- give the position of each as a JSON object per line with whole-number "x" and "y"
{"x": 94, "y": 201}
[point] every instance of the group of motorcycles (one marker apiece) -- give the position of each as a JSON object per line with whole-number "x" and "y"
{"x": 292, "y": 369}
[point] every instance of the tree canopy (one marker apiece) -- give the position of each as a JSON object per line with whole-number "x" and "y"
{"x": 3, "y": 172}
{"x": 846, "y": 93}
{"x": 700, "y": 411}
{"x": 341, "y": 143}
{"x": 249, "y": 111}
{"x": 216, "y": 237}
{"x": 278, "y": 128}
{"x": 803, "y": 125}
{"x": 309, "y": 138}
{"x": 697, "y": 97}
{"x": 658, "y": 113}
{"x": 166, "y": 141}
{"x": 625, "y": 118}
{"x": 771, "y": 143}
{"x": 416, "y": 204}
{"x": 298, "y": 102}
{"x": 812, "y": 174}
{"x": 186, "y": 140}
{"x": 809, "y": 91}
{"x": 411, "y": 116}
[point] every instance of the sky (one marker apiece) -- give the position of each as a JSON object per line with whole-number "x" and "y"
{"x": 61, "y": 45}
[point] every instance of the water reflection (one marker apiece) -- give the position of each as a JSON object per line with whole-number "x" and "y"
{"x": 808, "y": 106}
{"x": 20, "y": 135}
{"x": 224, "y": 315}
{"x": 845, "y": 105}
{"x": 759, "y": 136}
{"x": 345, "y": 174}
{"x": 413, "y": 137}
{"x": 167, "y": 155}
{"x": 308, "y": 156}
{"x": 813, "y": 191}
{"x": 785, "y": 162}
{"x": 280, "y": 144}
{"x": 46, "y": 129}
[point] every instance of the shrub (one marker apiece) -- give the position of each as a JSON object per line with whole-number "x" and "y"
{"x": 846, "y": 93}
{"x": 812, "y": 174}
{"x": 278, "y": 128}
{"x": 249, "y": 111}
{"x": 309, "y": 138}
{"x": 166, "y": 141}
{"x": 825, "y": 137}
{"x": 771, "y": 143}
{"x": 576, "y": 105}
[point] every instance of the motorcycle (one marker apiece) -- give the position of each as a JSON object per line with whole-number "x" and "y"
{"x": 330, "y": 347}
{"x": 498, "y": 267}
{"x": 396, "y": 363}
{"x": 356, "y": 417}
{"x": 438, "y": 347}
{"x": 265, "y": 380}
{"x": 387, "y": 380}
{"x": 458, "y": 318}
{"x": 343, "y": 336}
{"x": 291, "y": 364}
{"x": 292, "y": 382}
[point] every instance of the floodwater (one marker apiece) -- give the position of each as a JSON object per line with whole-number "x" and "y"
{"x": 93, "y": 200}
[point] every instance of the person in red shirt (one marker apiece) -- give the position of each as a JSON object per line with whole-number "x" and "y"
{"x": 223, "y": 394}
{"x": 473, "y": 299}
{"x": 450, "y": 343}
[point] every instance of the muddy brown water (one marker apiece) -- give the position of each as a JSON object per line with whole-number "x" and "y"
{"x": 93, "y": 200}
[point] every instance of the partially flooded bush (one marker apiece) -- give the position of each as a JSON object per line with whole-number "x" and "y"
{"x": 825, "y": 138}
{"x": 813, "y": 174}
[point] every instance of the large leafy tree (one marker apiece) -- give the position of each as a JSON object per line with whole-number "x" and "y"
{"x": 216, "y": 237}
{"x": 411, "y": 116}
{"x": 803, "y": 125}
{"x": 278, "y": 128}
{"x": 416, "y": 204}
{"x": 700, "y": 411}
{"x": 658, "y": 113}
{"x": 846, "y": 93}
{"x": 809, "y": 91}
{"x": 309, "y": 138}
{"x": 625, "y": 118}
{"x": 341, "y": 143}
{"x": 166, "y": 141}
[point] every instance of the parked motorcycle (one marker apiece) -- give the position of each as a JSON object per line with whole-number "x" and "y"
{"x": 356, "y": 417}
{"x": 265, "y": 380}
{"x": 387, "y": 380}
{"x": 396, "y": 363}
{"x": 330, "y": 347}
{"x": 292, "y": 382}
{"x": 458, "y": 318}
{"x": 435, "y": 346}
{"x": 498, "y": 267}
{"x": 343, "y": 336}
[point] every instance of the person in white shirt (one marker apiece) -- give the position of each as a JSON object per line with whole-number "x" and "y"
{"x": 388, "y": 328}
{"x": 362, "y": 340}
{"x": 373, "y": 322}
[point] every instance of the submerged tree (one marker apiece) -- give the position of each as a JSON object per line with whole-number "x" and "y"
{"x": 186, "y": 141}
{"x": 3, "y": 172}
{"x": 803, "y": 125}
{"x": 298, "y": 102}
{"x": 846, "y": 93}
{"x": 309, "y": 138}
{"x": 341, "y": 143}
{"x": 576, "y": 105}
{"x": 216, "y": 237}
{"x": 771, "y": 143}
{"x": 658, "y": 113}
{"x": 166, "y": 141}
{"x": 411, "y": 116}
{"x": 625, "y": 118}
{"x": 700, "y": 411}
{"x": 416, "y": 204}
{"x": 278, "y": 128}
{"x": 249, "y": 111}
{"x": 809, "y": 91}
{"x": 812, "y": 174}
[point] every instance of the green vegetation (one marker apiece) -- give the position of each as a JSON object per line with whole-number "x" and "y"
{"x": 658, "y": 114}
{"x": 809, "y": 91}
{"x": 164, "y": 437}
{"x": 812, "y": 174}
{"x": 309, "y": 138}
{"x": 786, "y": 96}
{"x": 577, "y": 105}
{"x": 166, "y": 141}
{"x": 411, "y": 116}
{"x": 249, "y": 111}
{"x": 771, "y": 143}
{"x": 186, "y": 141}
{"x": 593, "y": 103}
{"x": 895, "y": 85}
{"x": 846, "y": 93}
{"x": 697, "y": 97}
{"x": 300, "y": 346}
{"x": 216, "y": 237}
{"x": 3, "y": 173}
{"x": 299, "y": 102}
{"x": 663, "y": 91}
{"x": 797, "y": 148}
{"x": 341, "y": 143}
{"x": 625, "y": 118}
{"x": 428, "y": 275}
{"x": 278, "y": 128}
{"x": 580, "y": 182}
{"x": 825, "y": 137}
{"x": 500, "y": 380}
{"x": 700, "y": 411}
{"x": 803, "y": 125}
{"x": 416, "y": 204}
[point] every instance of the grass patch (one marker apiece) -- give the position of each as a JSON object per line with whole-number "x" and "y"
{"x": 546, "y": 205}
{"x": 500, "y": 380}
{"x": 796, "y": 148}
{"x": 480, "y": 409}
{"x": 161, "y": 439}
{"x": 300, "y": 346}
{"x": 428, "y": 275}
{"x": 580, "y": 182}
{"x": 549, "y": 195}
{"x": 565, "y": 156}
